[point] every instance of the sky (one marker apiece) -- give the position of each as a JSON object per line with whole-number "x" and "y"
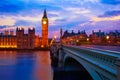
{"x": 69, "y": 15}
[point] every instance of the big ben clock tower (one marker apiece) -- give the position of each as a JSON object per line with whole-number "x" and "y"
{"x": 45, "y": 30}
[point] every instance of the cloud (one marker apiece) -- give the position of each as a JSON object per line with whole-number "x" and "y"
{"x": 111, "y": 2}
{"x": 24, "y": 23}
{"x": 92, "y": 1}
{"x": 9, "y": 7}
{"x": 77, "y": 10}
{"x": 45, "y": 0}
{"x": 13, "y": 20}
{"x": 55, "y": 33}
{"x": 3, "y": 28}
{"x": 54, "y": 13}
{"x": 29, "y": 18}
{"x": 7, "y": 21}
{"x": 105, "y": 26}
{"x": 106, "y": 23}
{"x": 111, "y": 13}
{"x": 98, "y": 19}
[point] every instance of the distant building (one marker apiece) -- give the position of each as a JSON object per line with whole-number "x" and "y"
{"x": 114, "y": 38}
{"x": 6, "y": 32}
{"x": 8, "y": 40}
{"x": 11, "y": 33}
{"x": 97, "y": 37}
{"x": 74, "y": 38}
{"x": 100, "y": 38}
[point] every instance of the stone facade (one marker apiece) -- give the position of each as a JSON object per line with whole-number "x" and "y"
{"x": 25, "y": 41}
{"x": 20, "y": 40}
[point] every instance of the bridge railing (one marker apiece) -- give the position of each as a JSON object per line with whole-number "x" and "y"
{"x": 103, "y": 59}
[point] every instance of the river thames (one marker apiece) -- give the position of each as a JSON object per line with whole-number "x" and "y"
{"x": 25, "y": 65}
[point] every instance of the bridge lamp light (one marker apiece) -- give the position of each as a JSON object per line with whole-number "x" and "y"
{"x": 107, "y": 37}
{"x": 55, "y": 37}
{"x": 77, "y": 40}
{"x": 87, "y": 39}
{"x": 42, "y": 46}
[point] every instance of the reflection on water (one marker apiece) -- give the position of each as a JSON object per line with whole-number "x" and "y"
{"x": 25, "y": 65}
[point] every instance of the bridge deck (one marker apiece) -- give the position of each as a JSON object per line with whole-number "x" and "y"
{"x": 104, "y": 59}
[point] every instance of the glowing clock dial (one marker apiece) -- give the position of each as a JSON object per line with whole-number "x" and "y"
{"x": 44, "y": 22}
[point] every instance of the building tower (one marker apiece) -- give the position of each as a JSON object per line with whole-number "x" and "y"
{"x": 45, "y": 30}
{"x": 31, "y": 38}
{"x": 11, "y": 32}
{"x": 19, "y": 36}
{"x": 6, "y": 32}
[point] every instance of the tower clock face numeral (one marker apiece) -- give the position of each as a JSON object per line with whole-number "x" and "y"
{"x": 44, "y": 22}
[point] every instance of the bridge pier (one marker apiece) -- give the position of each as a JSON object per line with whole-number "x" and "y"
{"x": 118, "y": 69}
{"x": 60, "y": 58}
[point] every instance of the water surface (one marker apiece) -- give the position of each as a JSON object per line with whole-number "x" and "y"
{"x": 25, "y": 65}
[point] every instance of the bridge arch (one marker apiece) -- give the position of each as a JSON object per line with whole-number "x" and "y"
{"x": 73, "y": 63}
{"x": 76, "y": 70}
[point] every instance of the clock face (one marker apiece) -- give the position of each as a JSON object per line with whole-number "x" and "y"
{"x": 44, "y": 22}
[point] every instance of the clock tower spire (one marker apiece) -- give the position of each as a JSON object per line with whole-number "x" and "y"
{"x": 45, "y": 14}
{"x": 44, "y": 29}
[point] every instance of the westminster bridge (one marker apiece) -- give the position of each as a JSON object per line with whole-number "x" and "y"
{"x": 99, "y": 64}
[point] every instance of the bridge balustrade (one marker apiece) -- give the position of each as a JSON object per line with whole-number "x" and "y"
{"x": 104, "y": 59}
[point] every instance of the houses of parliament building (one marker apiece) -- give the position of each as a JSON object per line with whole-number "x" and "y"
{"x": 20, "y": 40}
